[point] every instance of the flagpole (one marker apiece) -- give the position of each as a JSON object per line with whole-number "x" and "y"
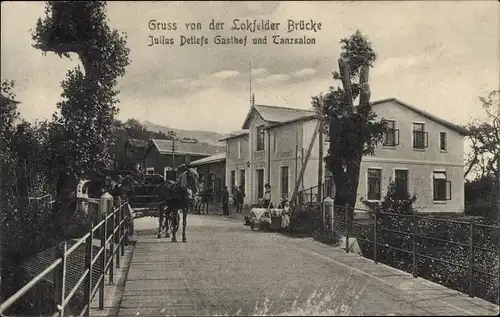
{"x": 250, "y": 79}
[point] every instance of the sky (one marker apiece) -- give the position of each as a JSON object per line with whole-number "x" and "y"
{"x": 437, "y": 56}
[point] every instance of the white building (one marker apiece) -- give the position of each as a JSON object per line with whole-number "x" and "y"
{"x": 422, "y": 154}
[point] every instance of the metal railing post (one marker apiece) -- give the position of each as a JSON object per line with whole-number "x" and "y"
{"x": 375, "y": 220}
{"x": 346, "y": 211}
{"x": 111, "y": 211}
{"x": 60, "y": 278}
{"x": 103, "y": 233}
{"x": 118, "y": 231}
{"x": 122, "y": 229}
{"x": 471, "y": 259}
{"x": 414, "y": 244}
{"x": 87, "y": 291}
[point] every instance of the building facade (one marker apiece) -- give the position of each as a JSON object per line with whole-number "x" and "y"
{"x": 237, "y": 163}
{"x": 271, "y": 150}
{"x": 164, "y": 156}
{"x": 421, "y": 154}
{"x": 212, "y": 172}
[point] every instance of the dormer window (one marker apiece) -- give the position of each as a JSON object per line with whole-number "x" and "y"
{"x": 260, "y": 138}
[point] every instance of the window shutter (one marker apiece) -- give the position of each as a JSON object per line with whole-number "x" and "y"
{"x": 448, "y": 190}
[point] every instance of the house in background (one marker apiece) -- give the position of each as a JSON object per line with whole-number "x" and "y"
{"x": 271, "y": 150}
{"x": 422, "y": 154}
{"x": 237, "y": 162}
{"x": 135, "y": 150}
{"x": 164, "y": 156}
{"x": 212, "y": 171}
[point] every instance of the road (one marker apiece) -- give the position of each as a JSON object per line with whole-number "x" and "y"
{"x": 226, "y": 269}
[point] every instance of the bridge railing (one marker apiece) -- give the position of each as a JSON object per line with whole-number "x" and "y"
{"x": 412, "y": 240}
{"x": 115, "y": 239}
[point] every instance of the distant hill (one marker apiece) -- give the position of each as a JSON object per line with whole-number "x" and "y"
{"x": 202, "y": 136}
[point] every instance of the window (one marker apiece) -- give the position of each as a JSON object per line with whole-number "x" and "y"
{"x": 239, "y": 149}
{"x": 390, "y": 134}
{"x": 260, "y": 183}
{"x": 202, "y": 178}
{"x": 242, "y": 179}
{"x": 401, "y": 182}
{"x": 211, "y": 181}
{"x": 233, "y": 181}
{"x": 442, "y": 187}
{"x": 260, "y": 138}
{"x": 374, "y": 180}
{"x": 419, "y": 136}
{"x": 150, "y": 170}
{"x": 442, "y": 141}
{"x": 284, "y": 180}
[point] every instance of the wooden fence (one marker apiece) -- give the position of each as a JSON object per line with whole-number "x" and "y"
{"x": 107, "y": 213}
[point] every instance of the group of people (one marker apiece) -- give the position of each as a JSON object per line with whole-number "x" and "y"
{"x": 238, "y": 199}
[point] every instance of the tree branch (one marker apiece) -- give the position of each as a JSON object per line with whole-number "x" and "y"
{"x": 59, "y": 48}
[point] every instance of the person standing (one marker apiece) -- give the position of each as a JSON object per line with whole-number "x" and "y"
{"x": 225, "y": 201}
{"x": 199, "y": 198}
{"x": 240, "y": 199}
{"x": 119, "y": 191}
{"x": 267, "y": 197}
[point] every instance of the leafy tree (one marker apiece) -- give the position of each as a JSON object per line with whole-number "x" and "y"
{"x": 485, "y": 138}
{"x": 22, "y": 173}
{"x": 135, "y": 129}
{"x": 8, "y": 116}
{"x": 352, "y": 135}
{"x": 82, "y": 131}
{"x": 484, "y": 159}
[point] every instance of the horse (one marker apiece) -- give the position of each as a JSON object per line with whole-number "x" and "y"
{"x": 175, "y": 196}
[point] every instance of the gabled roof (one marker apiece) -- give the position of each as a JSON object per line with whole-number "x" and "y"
{"x": 235, "y": 135}
{"x": 425, "y": 114}
{"x": 309, "y": 115}
{"x": 219, "y": 157}
{"x": 304, "y": 118}
{"x": 138, "y": 143}
{"x": 200, "y": 148}
{"x": 273, "y": 114}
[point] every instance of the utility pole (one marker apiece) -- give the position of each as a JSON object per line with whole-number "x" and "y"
{"x": 320, "y": 154}
{"x": 308, "y": 155}
{"x": 173, "y": 157}
{"x": 250, "y": 80}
